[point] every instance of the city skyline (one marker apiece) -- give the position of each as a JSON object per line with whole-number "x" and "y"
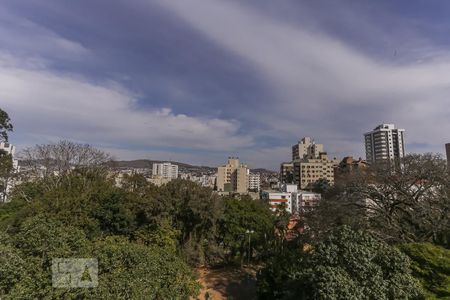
{"x": 196, "y": 81}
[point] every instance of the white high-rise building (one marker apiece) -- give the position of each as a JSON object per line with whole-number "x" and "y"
{"x": 254, "y": 182}
{"x": 165, "y": 170}
{"x": 385, "y": 143}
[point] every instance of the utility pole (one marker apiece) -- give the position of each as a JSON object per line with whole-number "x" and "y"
{"x": 249, "y": 232}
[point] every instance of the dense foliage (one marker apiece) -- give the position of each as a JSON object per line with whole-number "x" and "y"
{"x": 431, "y": 264}
{"x": 411, "y": 204}
{"x": 147, "y": 239}
{"x": 5, "y": 125}
{"x": 346, "y": 265}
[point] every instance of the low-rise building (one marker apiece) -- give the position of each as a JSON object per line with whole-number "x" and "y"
{"x": 276, "y": 198}
{"x": 295, "y": 200}
{"x": 306, "y": 201}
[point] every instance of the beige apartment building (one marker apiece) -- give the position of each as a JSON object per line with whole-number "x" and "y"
{"x": 311, "y": 164}
{"x": 310, "y": 170}
{"x": 233, "y": 177}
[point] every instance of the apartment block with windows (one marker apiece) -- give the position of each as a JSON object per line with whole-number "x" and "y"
{"x": 165, "y": 170}
{"x": 308, "y": 171}
{"x": 311, "y": 164}
{"x": 385, "y": 144}
{"x": 287, "y": 172}
{"x": 233, "y": 177}
{"x": 254, "y": 182}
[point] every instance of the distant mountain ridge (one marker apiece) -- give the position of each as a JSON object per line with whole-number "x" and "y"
{"x": 147, "y": 163}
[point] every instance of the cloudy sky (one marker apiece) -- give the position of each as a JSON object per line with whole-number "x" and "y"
{"x": 200, "y": 80}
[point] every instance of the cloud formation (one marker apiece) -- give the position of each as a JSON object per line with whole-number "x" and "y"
{"x": 316, "y": 75}
{"x": 199, "y": 80}
{"x": 50, "y": 105}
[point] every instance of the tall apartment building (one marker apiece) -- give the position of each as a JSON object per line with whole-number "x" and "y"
{"x": 165, "y": 170}
{"x": 311, "y": 164}
{"x": 254, "y": 182}
{"x": 233, "y": 177}
{"x": 306, "y": 147}
{"x": 447, "y": 150}
{"x": 308, "y": 171}
{"x": 385, "y": 143}
{"x": 287, "y": 172}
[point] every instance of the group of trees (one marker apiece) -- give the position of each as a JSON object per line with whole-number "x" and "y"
{"x": 147, "y": 239}
{"x": 378, "y": 234}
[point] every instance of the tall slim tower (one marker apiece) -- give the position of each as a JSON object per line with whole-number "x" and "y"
{"x": 385, "y": 143}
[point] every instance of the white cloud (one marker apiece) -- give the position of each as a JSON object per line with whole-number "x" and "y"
{"x": 315, "y": 75}
{"x": 47, "y": 105}
{"x": 19, "y": 35}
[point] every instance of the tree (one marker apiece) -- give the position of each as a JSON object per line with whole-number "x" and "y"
{"x": 134, "y": 271}
{"x": 56, "y": 160}
{"x": 245, "y": 226}
{"x": 6, "y": 173}
{"x": 346, "y": 265}
{"x": 431, "y": 265}
{"x": 6, "y": 162}
{"x": 321, "y": 186}
{"x": 5, "y": 125}
{"x": 410, "y": 204}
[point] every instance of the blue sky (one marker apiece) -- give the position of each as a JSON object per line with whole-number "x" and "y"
{"x": 200, "y": 80}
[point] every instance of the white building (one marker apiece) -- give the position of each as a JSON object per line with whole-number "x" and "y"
{"x": 165, "y": 170}
{"x": 384, "y": 143}
{"x": 306, "y": 201}
{"x": 296, "y": 201}
{"x": 254, "y": 182}
{"x": 275, "y": 198}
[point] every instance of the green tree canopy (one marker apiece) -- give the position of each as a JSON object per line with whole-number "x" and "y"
{"x": 346, "y": 265}
{"x": 5, "y": 125}
{"x": 431, "y": 264}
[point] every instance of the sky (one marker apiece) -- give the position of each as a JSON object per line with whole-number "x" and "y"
{"x": 197, "y": 81}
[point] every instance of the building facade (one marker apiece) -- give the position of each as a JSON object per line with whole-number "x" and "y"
{"x": 277, "y": 198}
{"x": 294, "y": 200}
{"x": 287, "y": 172}
{"x": 306, "y": 147}
{"x": 385, "y": 144}
{"x": 311, "y": 164}
{"x": 349, "y": 165}
{"x": 233, "y": 177}
{"x": 165, "y": 170}
{"x": 254, "y": 182}
{"x": 309, "y": 171}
